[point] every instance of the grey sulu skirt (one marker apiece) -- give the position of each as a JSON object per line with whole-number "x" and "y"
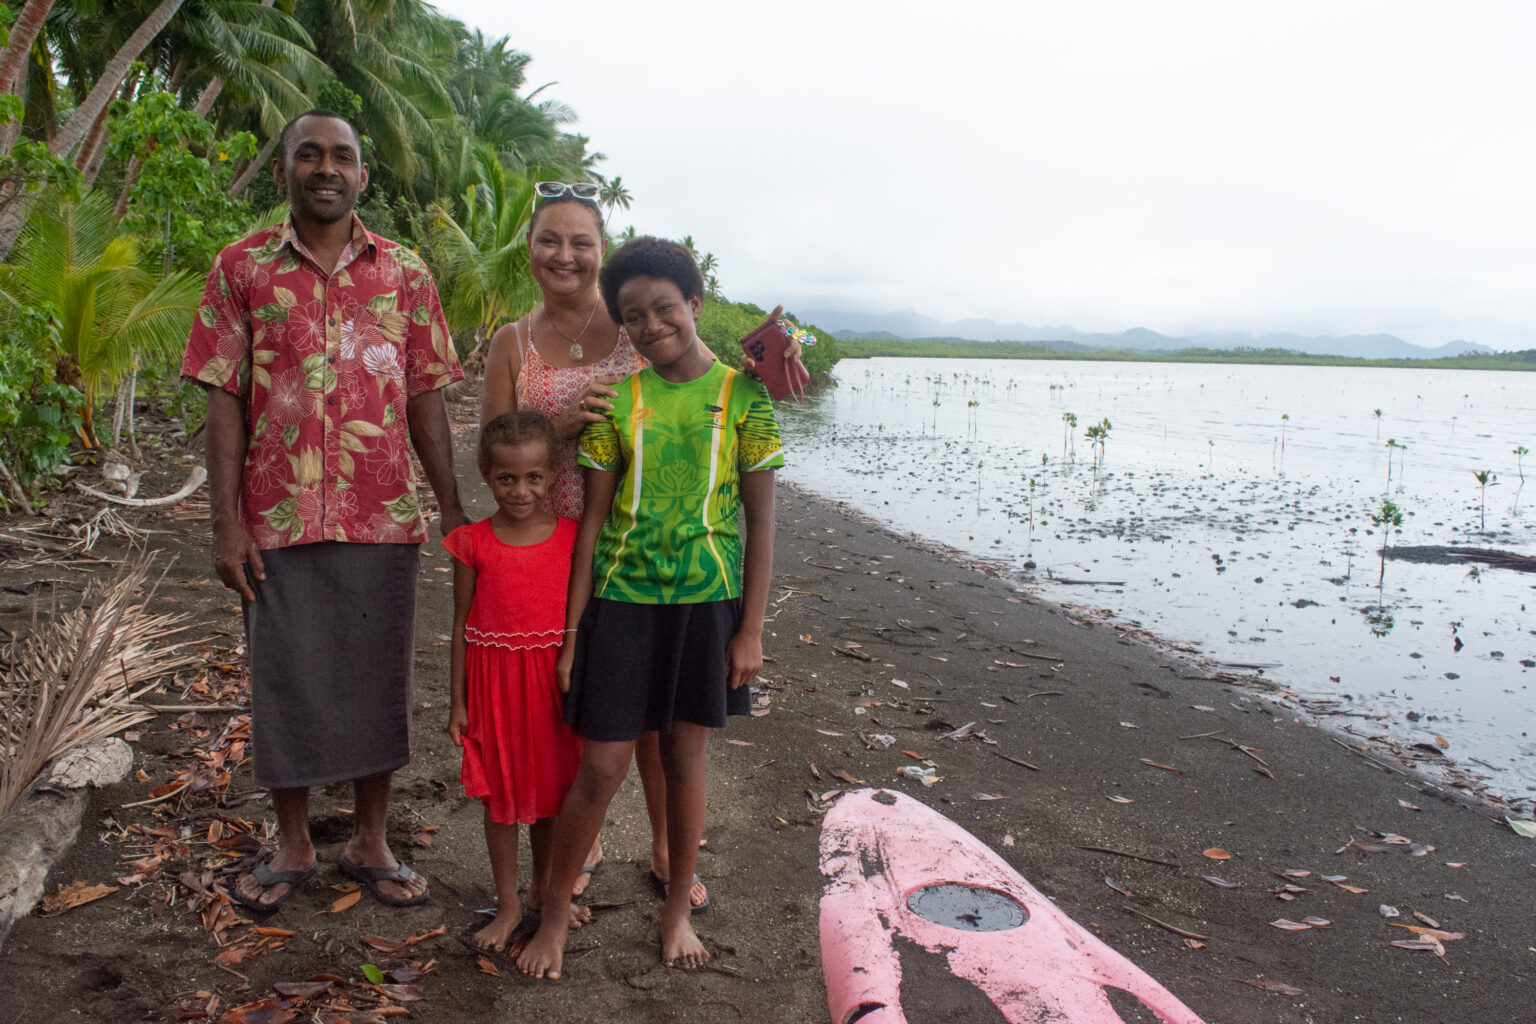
{"x": 331, "y": 641}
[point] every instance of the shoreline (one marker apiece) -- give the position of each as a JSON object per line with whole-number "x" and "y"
{"x": 1082, "y": 739}
{"x": 1433, "y": 768}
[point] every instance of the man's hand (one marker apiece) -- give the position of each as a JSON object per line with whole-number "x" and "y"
{"x": 451, "y": 519}
{"x": 233, "y": 550}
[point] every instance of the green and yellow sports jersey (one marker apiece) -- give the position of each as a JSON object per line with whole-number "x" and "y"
{"x": 672, "y": 535}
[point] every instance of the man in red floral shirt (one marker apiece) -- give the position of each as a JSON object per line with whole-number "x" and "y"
{"x": 323, "y": 351}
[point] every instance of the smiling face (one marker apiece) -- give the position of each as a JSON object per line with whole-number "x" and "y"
{"x": 660, "y": 323}
{"x": 322, "y": 169}
{"x": 519, "y": 476}
{"x": 565, "y": 248}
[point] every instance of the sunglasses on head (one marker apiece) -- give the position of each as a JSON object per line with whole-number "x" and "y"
{"x": 579, "y": 189}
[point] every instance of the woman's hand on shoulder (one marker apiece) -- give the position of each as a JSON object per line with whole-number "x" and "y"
{"x": 591, "y": 405}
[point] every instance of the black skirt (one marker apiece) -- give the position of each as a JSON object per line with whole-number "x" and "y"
{"x": 640, "y": 667}
{"x": 331, "y": 641}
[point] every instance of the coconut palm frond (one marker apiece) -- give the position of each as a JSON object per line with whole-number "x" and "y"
{"x": 77, "y": 679}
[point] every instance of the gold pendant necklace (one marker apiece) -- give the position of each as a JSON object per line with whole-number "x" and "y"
{"x": 575, "y": 349}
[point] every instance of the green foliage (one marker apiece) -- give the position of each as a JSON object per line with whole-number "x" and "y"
{"x": 179, "y": 205}
{"x": 29, "y": 167}
{"x": 1388, "y": 515}
{"x": 723, "y": 323}
{"x": 38, "y": 417}
{"x": 107, "y": 312}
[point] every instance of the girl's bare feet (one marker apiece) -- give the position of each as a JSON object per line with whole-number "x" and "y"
{"x": 494, "y": 936}
{"x": 542, "y": 956}
{"x": 680, "y": 945}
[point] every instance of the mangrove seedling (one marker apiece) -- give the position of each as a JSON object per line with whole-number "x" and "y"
{"x": 1389, "y": 517}
{"x": 1098, "y": 434}
{"x": 1520, "y": 453}
{"x": 1285, "y": 418}
{"x": 1210, "y": 455}
{"x": 1484, "y": 478}
{"x": 1377, "y": 414}
{"x": 1391, "y": 444}
{"x": 1070, "y": 419}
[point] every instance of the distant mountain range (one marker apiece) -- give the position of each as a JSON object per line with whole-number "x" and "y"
{"x": 912, "y": 325}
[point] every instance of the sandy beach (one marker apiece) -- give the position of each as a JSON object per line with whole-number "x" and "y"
{"x": 1099, "y": 764}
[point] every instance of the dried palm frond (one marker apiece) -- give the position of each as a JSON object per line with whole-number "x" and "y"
{"x": 74, "y": 680}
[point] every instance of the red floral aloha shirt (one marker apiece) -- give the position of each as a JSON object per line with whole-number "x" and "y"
{"x": 326, "y": 362}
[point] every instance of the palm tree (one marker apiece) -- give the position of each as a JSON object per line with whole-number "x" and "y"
{"x": 110, "y": 312}
{"x": 708, "y": 264}
{"x": 480, "y": 256}
{"x": 615, "y": 194}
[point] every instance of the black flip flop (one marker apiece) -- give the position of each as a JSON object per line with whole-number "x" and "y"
{"x": 267, "y": 878}
{"x": 660, "y": 885}
{"x": 370, "y": 877}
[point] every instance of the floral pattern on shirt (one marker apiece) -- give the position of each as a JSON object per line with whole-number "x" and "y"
{"x": 326, "y": 363}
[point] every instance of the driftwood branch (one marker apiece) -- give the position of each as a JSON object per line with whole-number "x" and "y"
{"x": 194, "y": 481}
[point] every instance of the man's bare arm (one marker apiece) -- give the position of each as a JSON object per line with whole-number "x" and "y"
{"x": 427, "y": 416}
{"x": 224, "y": 440}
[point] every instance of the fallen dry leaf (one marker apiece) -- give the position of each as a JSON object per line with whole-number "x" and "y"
{"x": 1386, "y": 910}
{"x": 1352, "y": 888}
{"x": 829, "y": 732}
{"x": 1429, "y": 945}
{"x": 1007, "y": 840}
{"x": 1120, "y": 799}
{"x": 486, "y": 967}
{"x": 838, "y": 773}
{"x": 1194, "y": 944}
{"x": 1432, "y": 933}
{"x": 1289, "y": 926}
{"x": 1216, "y": 853}
{"x": 1220, "y": 883}
{"x": 740, "y": 743}
{"x": 1270, "y": 985}
{"x": 1426, "y": 919}
{"x": 301, "y": 989}
{"x": 1296, "y": 873}
{"x": 1158, "y": 764}
{"x": 1405, "y": 805}
{"x": 987, "y": 796}
{"x": 1317, "y": 922}
{"x": 345, "y": 902}
{"x": 67, "y": 897}
{"x": 1441, "y": 741}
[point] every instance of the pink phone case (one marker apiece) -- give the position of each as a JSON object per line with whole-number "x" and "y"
{"x": 766, "y": 344}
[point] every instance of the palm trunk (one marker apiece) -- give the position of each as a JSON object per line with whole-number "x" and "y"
{"x": 251, "y": 169}
{"x": 79, "y": 123}
{"x": 29, "y": 23}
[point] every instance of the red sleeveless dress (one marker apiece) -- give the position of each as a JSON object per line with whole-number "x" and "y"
{"x": 519, "y": 755}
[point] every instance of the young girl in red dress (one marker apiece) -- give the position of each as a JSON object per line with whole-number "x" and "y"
{"x": 511, "y": 573}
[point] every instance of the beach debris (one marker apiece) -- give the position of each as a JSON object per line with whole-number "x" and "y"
{"x": 1158, "y": 764}
{"x": 965, "y": 731}
{"x": 733, "y": 741}
{"x": 829, "y": 732}
{"x": 1120, "y": 799}
{"x": 1220, "y": 883}
{"x": 1264, "y": 984}
{"x": 815, "y": 772}
{"x": 1389, "y": 911}
{"x": 1521, "y": 826}
{"x": 1426, "y": 919}
{"x": 1405, "y": 805}
{"x": 1215, "y": 853}
{"x": 901, "y": 683}
{"x": 1117, "y": 887}
{"x": 77, "y": 678}
{"x": 71, "y": 895}
{"x": 840, "y": 774}
{"x": 486, "y": 967}
{"x": 1289, "y": 926}
{"x": 1132, "y": 856}
{"x": 1317, "y": 922}
{"x": 1165, "y": 926}
{"x": 345, "y": 902}
{"x": 1007, "y": 840}
{"x": 1455, "y": 897}
{"x": 1428, "y": 945}
{"x": 927, "y": 776}
{"x": 195, "y": 479}
{"x": 987, "y": 796}
{"x": 1437, "y": 934}
{"x": 1129, "y": 725}
{"x": 1296, "y": 873}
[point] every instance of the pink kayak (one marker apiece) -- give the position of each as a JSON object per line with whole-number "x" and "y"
{"x": 920, "y": 918}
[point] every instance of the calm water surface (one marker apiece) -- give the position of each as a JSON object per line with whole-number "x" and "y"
{"x": 1231, "y": 513}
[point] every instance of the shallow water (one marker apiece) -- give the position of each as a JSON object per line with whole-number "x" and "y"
{"x": 1231, "y": 514}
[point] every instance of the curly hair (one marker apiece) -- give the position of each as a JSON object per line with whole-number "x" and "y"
{"x": 285, "y": 137}
{"x": 518, "y": 428}
{"x": 649, "y": 257}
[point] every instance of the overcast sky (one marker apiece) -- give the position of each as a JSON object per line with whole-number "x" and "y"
{"x": 1322, "y": 167}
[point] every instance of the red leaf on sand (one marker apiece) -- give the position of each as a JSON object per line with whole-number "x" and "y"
{"x": 1216, "y": 853}
{"x": 1289, "y": 926}
{"x": 68, "y": 897}
{"x": 384, "y": 945}
{"x": 403, "y": 993}
{"x": 486, "y": 967}
{"x": 1157, "y": 764}
{"x": 301, "y": 989}
{"x": 266, "y": 1011}
{"x": 838, "y": 773}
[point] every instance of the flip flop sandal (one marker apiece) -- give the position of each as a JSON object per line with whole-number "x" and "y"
{"x": 267, "y": 878}
{"x": 370, "y": 877}
{"x": 660, "y": 885}
{"x": 589, "y": 870}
